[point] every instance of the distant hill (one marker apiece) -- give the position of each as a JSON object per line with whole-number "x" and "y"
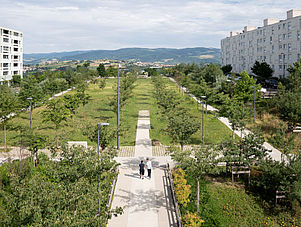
{"x": 160, "y": 55}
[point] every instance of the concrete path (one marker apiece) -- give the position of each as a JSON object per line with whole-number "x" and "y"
{"x": 274, "y": 154}
{"x": 148, "y": 202}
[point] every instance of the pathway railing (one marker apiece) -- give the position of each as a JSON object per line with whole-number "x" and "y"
{"x": 112, "y": 189}
{"x": 177, "y": 209}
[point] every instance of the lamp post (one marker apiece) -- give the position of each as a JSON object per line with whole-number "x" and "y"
{"x": 254, "y": 103}
{"x": 30, "y": 100}
{"x": 98, "y": 184}
{"x": 203, "y": 136}
{"x": 118, "y": 114}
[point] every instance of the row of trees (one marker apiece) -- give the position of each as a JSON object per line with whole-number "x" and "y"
{"x": 40, "y": 86}
{"x": 181, "y": 125}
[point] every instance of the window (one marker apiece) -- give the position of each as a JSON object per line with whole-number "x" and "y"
{"x": 283, "y": 26}
{"x": 289, "y": 46}
{"x": 280, "y": 47}
{"x": 5, "y": 56}
{"x": 15, "y": 64}
{"x": 284, "y": 46}
{"x": 272, "y": 48}
{"x": 5, "y": 73}
{"x": 279, "y": 26}
{"x": 279, "y": 38}
{"x": 284, "y": 36}
{"x": 280, "y": 67}
{"x": 271, "y": 39}
{"x": 15, "y": 72}
{"x": 16, "y": 34}
{"x": 5, "y": 64}
{"x": 16, "y": 42}
{"x": 264, "y": 32}
{"x": 280, "y": 58}
{"x": 6, "y": 40}
{"x": 289, "y": 25}
{"x": 289, "y": 57}
{"x": 298, "y": 35}
{"x": 16, "y": 49}
{"x": 289, "y": 35}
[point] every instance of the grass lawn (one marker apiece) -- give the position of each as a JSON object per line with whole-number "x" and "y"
{"x": 224, "y": 204}
{"x": 98, "y": 110}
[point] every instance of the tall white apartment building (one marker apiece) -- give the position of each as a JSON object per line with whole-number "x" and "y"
{"x": 11, "y": 54}
{"x": 277, "y": 43}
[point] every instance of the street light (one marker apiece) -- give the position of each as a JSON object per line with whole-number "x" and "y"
{"x": 118, "y": 114}
{"x": 98, "y": 128}
{"x": 30, "y": 99}
{"x": 254, "y": 103}
{"x": 203, "y": 97}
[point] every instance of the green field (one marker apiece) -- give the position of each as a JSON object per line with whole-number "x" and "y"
{"x": 98, "y": 110}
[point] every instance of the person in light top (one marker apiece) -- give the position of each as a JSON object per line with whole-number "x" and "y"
{"x": 149, "y": 167}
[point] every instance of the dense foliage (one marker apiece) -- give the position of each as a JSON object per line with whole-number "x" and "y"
{"x": 62, "y": 192}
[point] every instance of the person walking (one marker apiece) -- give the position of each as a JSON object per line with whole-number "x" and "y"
{"x": 149, "y": 167}
{"x": 141, "y": 169}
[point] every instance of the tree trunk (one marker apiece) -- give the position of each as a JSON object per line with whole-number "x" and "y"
{"x": 198, "y": 194}
{"x": 84, "y": 112}
{"x": 56, "y": 139}
{"x": 4, "y": 128}
{"x": 37, "y": 159}
{"x": 182, "y": 146}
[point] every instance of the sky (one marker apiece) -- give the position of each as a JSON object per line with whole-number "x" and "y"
{"x": 67, "y": 25}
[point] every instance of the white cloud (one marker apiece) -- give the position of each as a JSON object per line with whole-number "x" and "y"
{"x": 111, "y": 24}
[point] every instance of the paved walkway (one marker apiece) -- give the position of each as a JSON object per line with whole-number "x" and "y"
{"x": 274, "y": 154}
{"x": 147, "y": 203}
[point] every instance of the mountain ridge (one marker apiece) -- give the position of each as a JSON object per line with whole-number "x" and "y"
{"x": 160, "y": 55}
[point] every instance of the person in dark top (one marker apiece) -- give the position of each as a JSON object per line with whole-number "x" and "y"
{"x": 141, "y": 169}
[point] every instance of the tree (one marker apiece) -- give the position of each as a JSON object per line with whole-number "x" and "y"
{"x": 56, "y": 112}
{"x": 102, "y": 84}
{"x": 294, "y": 79}
{"x": 82, "y": 96}
{"x": 101, "y": 70}
{"x": 243, "y": 90}
{"x": 106, "y": 135}
{"x": 181, "y": 126}
{"x": 262, "y": 70}
{"x": 8, "y": 104}
{"x": 198, "y": 162}
{"x": 249, "y": 150}
{"x": 16, "y": 81}
{"x": 30, "y": 87}
{"x": 111, "y": 72}
{"x": 237, "y": 113}
{"x": 289, "y": 107}
{"x": 226, "y": 69}
{"x": 213, "y": 75}
{"x": 72, "y": 104}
